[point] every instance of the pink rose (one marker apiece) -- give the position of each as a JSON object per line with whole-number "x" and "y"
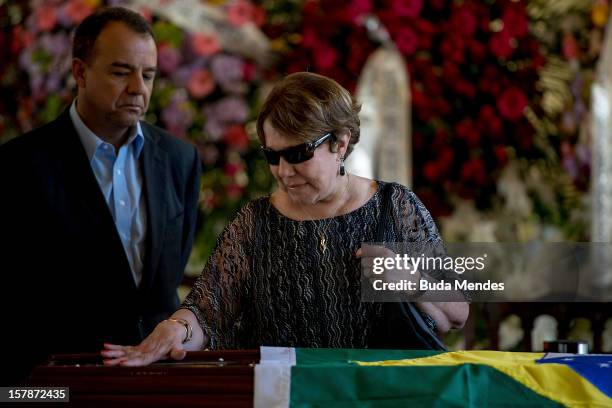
{"x": 46, "y": 18}
{"x": 77, "y": 10}
{"x": 571, "y": 49}
{"x": 201, "y": 83}
{"x": 239, "y": 13}
{"x": 204, "y": 45}
{"x": 169, "y": 58}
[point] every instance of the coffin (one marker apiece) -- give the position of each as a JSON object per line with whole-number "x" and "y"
{"x": 202, "y": 379}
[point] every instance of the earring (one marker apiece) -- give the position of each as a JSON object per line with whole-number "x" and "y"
{"x": 342, "y": 170}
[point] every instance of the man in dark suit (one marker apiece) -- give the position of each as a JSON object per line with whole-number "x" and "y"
{"x": 98, "y": 209}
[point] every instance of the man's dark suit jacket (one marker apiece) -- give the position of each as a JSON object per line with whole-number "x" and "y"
{"x": 66, "y": 281}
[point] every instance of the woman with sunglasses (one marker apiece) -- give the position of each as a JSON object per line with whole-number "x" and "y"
{"x": 286, "y": 270}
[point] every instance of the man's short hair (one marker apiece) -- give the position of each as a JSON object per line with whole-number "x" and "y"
{"x": 90, "y": 28}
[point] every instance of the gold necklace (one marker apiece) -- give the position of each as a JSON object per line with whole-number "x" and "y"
{"x": 321, "y": 231}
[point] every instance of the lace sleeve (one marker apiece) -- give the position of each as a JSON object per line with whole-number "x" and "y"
{"x": 217, "y": 295}
{"x": 416, "y": 225}
{"x": 412, "y": 219}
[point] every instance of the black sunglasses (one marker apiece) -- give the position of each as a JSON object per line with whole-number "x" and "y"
{"x": 294, "y": 154}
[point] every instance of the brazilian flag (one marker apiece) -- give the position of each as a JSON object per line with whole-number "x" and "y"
{"x": 288, "y": 377}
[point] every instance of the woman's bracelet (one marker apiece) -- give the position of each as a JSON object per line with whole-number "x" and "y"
{"x": 186, "y": 324}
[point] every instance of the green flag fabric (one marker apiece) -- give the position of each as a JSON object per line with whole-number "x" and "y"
{"x": 288, "y": 377}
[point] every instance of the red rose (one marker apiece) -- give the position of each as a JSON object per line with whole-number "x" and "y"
{"x": 474, "y": 172}
{"x": 259, "y": 16}
{"x": 20, "y": 39}
{"x": 512, "y": 103}
{"x": 450, "y": 72}
{"x": 356, "y": 9}
{"x": 236, "y": 137}
{"x": 249, "y": 71}
{"x": 464, "y": 21}
{"x": 445, "y": 161}
{"x": 500, "y": 44}
{"x": 434, "y": 204}
{"x": 452, "y": 49}
{"x": 489, "y": 85}
{"x": 466, "y": 131}
{"x": 325, "y": 57}
{"x": 431, "y": 172}
{"x": 500, "y": 155}
{"x": 515, "y": 21}
{"x": 423, "y": 106}
{"x": 418, "y": 141}
{"x": 407, "y": 8}
{"x": 231, "y": 169}
{"x": 440, "y": 139}
{"x": 489, "y": 123}
{"x": 438, "y": 5}
{"x": 425, "y": 27}
{"x": 478, "y": 52}
{"x": 571, "y": 49}
{"x": 465, "y": 88}
{"x": 442, "y": 107}
{"x": 234, "y": 191}
{"x": 310, "y": 39}
{"x": 524, "y": 135}
{"x": 432, "y": 84}
{"x": 406, "y": 41}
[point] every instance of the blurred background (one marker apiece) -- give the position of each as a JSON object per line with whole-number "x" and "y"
{"x": 496, "y": 113}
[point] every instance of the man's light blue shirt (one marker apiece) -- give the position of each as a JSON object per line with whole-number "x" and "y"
{"x": 120, "y": 180}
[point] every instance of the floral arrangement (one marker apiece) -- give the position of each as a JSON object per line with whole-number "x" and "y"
{"x": 202, "y": 94}
{"x": 473, "y": 67}
{"x": 493, "y": 82}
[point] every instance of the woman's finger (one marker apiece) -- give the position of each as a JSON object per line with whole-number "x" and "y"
{"x": 113, "y": 346}
{"x": 110, "y": 362}
{"x": 141, "y": 359}
{"x": 113, "y": 353}
{"x": 178, "y": 353}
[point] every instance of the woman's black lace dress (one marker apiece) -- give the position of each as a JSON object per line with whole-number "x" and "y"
{"x": 269, "y": 282}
